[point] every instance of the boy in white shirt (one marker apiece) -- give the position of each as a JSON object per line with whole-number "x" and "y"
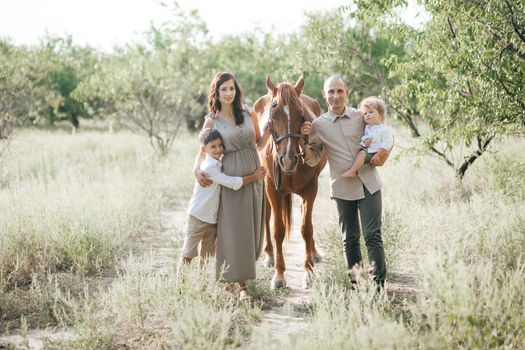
{"x": 202, "y": 210}
{"x": 376, "y": 135}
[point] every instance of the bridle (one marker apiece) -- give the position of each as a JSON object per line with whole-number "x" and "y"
{"x": 277, "y": 167}
{"x": 276, "y": 138}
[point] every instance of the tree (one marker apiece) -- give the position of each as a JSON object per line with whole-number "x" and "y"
{"x": 462, "y": 82}
{"x": 20, "y": 97}
{"x": 335, "y": 43}
{"x": 153, "y": 88}
{"x": 63, "y": 66}
{"x": 144, "y": 92}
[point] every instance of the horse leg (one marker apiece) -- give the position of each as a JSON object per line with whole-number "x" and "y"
{"x": 268, "y": 247}
{"x": 307, "y": 233}
{"x": 317, "y": 256}
{"x": 311, "y": 197}
{"x": 278, "y": 280}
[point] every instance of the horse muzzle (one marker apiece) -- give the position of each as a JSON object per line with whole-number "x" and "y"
{"x": 288, "y": 164}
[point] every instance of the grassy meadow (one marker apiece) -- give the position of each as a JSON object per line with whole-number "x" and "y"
{"x": 76, "y": 209}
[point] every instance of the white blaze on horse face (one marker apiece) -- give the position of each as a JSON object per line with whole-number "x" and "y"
{"x": 289, "y": 144}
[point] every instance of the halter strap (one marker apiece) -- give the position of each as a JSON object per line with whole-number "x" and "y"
{"x": 276, "y": 138}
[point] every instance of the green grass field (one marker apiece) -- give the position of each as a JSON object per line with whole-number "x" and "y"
{"x": 74, "y": 207}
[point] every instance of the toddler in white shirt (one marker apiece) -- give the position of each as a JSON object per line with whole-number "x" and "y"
{"x": 376, "y": 136}
{"x": 204, "y": 203}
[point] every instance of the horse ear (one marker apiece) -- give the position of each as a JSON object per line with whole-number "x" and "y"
{"x": 299, "y": 85}
{"x": 271, "y": 86}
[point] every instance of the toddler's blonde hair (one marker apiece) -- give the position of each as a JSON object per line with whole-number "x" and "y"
{"x": 375, "y": 102}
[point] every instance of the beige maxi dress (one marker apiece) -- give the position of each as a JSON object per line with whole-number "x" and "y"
{"x": 240, "y": 219}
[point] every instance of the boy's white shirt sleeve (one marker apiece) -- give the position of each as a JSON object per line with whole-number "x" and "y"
{"x": 216, "y": 175}
{"x": 387, "y": 140}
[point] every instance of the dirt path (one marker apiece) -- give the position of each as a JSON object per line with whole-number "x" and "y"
{"x": 287, "y": 315}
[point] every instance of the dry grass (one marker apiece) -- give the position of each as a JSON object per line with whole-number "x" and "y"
{"x": 74, "y": 202}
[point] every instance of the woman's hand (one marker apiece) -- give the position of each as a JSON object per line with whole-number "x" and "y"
{"x": 202, "y": 178}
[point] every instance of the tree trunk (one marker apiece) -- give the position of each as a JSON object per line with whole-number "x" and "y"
{"x": 482, "y": 145}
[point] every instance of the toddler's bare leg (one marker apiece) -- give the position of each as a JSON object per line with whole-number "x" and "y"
{"x": 359, "y": 161}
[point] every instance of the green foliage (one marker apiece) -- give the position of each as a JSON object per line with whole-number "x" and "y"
{"x": 152, "y": 88}
{"x": 144, "y": 94}
{"x": 394, "y": 235}
{"x": 37, "y": 83}
{"x": 462, "y": 76}
{"x": 67, "y": 65}
{"x": 20, "y": 97}
{"x": 356, "y": 50}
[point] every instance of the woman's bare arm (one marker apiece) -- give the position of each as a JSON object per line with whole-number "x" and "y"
{"x": 255, "y": 122}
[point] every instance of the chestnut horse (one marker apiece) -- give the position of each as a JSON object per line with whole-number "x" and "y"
{"x": 281, "y": 114}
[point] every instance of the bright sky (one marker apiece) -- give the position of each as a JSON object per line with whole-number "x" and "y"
{"x": 105, "y": 23}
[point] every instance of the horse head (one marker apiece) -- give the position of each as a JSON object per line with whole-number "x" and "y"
{"x": 286, "y": 115}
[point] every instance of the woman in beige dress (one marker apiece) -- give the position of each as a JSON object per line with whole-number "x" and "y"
{"x": 240, "y": 218}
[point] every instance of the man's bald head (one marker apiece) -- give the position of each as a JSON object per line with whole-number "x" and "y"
{"x": 335, "y": 93}
{"x": 331, "y": 79}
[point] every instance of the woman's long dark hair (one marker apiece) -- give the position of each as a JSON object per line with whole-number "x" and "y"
{"x": 214, "y": 104}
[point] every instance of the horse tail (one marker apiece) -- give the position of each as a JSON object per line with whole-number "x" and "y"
{"x": 287, "y": 215}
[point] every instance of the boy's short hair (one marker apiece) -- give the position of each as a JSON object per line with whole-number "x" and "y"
{"x": 208, "y": 135}
{"x": 375, "y": 102}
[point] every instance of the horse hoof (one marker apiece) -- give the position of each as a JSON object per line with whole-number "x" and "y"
{"x": 277, "y": 284}
{"x": 268, "y": 264}
{"x": 318, "y": 258}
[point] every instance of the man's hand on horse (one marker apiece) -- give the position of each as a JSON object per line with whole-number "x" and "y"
{"x": 203, "y": 178}
{"x": 306, "y": 128}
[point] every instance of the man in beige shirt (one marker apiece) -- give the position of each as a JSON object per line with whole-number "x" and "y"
{"x": 339, "y": 131}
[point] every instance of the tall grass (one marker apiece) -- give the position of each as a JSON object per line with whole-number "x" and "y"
{"x": 465, "y": 242}
{"x": 71, "y": 205}
{"x": 473, "y": 306}
{"x": 145, "y": 309}
{"x": 75, "y": 204}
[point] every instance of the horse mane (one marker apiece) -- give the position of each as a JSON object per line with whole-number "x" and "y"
{"x": 286, "y": 95}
